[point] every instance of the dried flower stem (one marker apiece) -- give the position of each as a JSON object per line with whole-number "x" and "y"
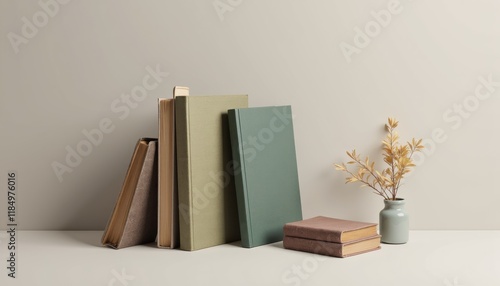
{"x": 397, "y": 157}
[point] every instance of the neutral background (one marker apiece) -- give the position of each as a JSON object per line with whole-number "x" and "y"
{"x": 425, "y": 62}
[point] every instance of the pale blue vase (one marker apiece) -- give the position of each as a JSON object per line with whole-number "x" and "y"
{"x": 394, "y": 222}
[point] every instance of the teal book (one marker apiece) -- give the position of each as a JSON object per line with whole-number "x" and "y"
{"x": 208, "y": 213}
{"x": 266, "y": 176}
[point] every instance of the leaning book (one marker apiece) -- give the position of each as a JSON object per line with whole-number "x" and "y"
{"x": 134, "y": 217}
{"x": 267, "y": 182}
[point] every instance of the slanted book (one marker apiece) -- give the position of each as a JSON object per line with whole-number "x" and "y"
{"x": 208, "y": 213}
{"x": 267, "y": 184}
{"x": 134, "y": 217}
{"x": 330, "y": 229}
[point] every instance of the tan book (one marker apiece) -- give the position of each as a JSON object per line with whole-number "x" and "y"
{"x": 133, "y": 220}
{"x": 330, "y": 229}
{"x": 208, "y": 214}
{"x": 181, "y": 91}
{"x": 331, "y": 248}
{"x": 168, "y": 212}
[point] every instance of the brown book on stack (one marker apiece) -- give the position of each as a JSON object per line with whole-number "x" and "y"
{"x": 331, "y": 236}
{"x": 134, "y": 217}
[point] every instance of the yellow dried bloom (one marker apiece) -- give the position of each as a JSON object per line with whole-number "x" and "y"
{"x": 398, "y": 158}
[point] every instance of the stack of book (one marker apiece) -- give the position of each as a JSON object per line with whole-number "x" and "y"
{"x": 331, "y": 236}
{"x": 219, "y": 172}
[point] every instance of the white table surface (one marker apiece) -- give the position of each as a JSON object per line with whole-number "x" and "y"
{"x": 444, "y": 258}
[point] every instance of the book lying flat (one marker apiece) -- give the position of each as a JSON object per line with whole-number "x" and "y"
{"x": 134, "y": 217}
{"x": 330, "y": 229}
{"x": 331, "y": 248}
{"x": 267, "y": 184}
{"x": 208, "y": 213}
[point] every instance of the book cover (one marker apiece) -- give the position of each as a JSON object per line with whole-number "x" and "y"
{"x": 207, "y": 200}
{"x": 134, "y": 217}
{"x": 331, "y": 248}
{"x": 330, "y": 229}
{"x": 168, "y": 221}
{"x": 267, "y": 184}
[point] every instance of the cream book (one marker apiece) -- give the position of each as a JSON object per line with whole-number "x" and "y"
{"x": 168, "y": 213}
{"x": 133, "y": 220}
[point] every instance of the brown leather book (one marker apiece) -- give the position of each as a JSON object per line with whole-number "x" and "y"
{"x": 331, "y": 248}
{"x": 134, "y": 218}
{"x": 330, "y": 229}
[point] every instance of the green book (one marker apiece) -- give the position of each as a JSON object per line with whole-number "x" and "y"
{"x": 208, "y": 214}
{"x": 267, "y": 184}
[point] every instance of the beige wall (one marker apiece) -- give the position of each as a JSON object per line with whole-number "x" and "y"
{"x": 70, "y": 68}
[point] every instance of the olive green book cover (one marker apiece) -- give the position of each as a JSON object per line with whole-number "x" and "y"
{"x": 208, "y": 214}
{"x": 267, "y": 184}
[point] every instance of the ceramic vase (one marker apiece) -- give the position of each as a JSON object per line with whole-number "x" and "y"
{"x": 394, "y": 222}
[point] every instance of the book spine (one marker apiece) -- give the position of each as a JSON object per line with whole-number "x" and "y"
{"x": 239, "y": 178}
{"x": 184, "y": 173}
{"x": 162, "y": 106}
{"x": 312, "y": 233}
{"x": 167, "y": 213}
{"x": 160, "y": 168}
{"x": 174, "y": 241}
{"x": 313, "y": 246}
